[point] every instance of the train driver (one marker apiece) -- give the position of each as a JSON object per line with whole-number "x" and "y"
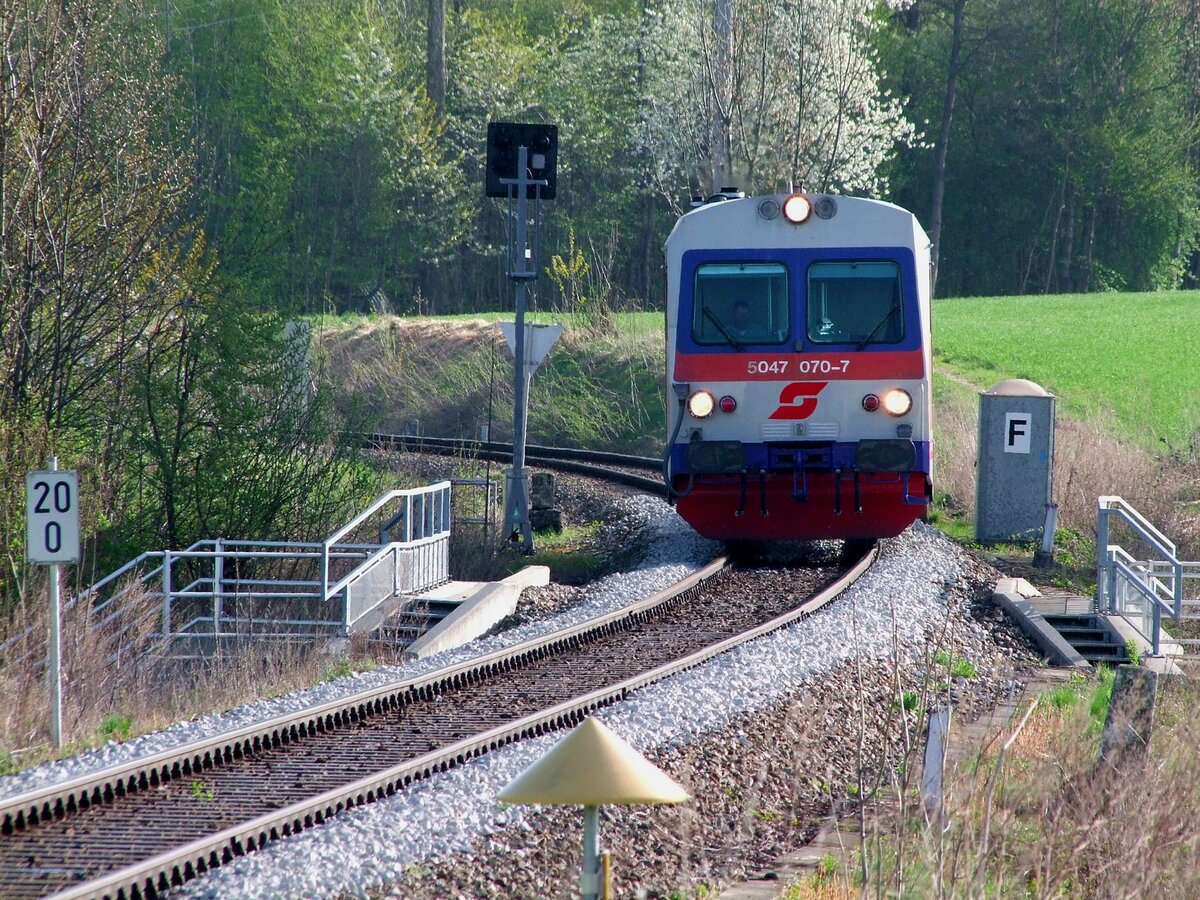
{"x": 742, "y": 326}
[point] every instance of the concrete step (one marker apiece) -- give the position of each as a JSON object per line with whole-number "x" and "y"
{"x": 452, "y": 614}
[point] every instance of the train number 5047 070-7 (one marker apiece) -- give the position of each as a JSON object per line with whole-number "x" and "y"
{"x": 803, "y": 366}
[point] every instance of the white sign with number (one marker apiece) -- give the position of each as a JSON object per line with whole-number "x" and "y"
{"x": 52, "y": 516}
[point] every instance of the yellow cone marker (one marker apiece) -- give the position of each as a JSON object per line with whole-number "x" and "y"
{"x": 591, "y": 767}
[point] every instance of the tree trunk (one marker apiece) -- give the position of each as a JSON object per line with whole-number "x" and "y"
{"x": 1088, "y": 281}
{"x": 943, "y": 142}
{"x": 1068, "y": 244}
{"x": 435, "y": 56}
{"x": 722, "y": 94}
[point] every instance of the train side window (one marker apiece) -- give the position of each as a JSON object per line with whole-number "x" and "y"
{"x": 734, "y": 304}
{"x": 855, "y": 302}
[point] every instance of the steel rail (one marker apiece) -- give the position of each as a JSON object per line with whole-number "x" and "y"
{"x": 422, "y": 443}
{"x": 177, "y": 866}
{"x": 65, "y": 797}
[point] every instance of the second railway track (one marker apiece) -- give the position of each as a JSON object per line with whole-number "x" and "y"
{"x": 619, "y": 468}
{"x": 149, "y": 825}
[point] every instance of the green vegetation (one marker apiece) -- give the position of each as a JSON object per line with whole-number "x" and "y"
{"x": 569, "y": 555}
{"x": 593, "y": 390}
{"x": 957, "y": 666}
{"x": 115, "y": 727}
{"x": 1114, "y": 358}
{"x": 344, "y": 665}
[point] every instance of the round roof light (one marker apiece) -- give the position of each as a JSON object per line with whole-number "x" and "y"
{"x": 825, "y": 207}
{"x": 797, "y": 208}
{"x": 768, "y": 208}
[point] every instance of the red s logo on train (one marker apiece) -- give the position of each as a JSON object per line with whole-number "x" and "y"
{"x": 798, "y": 400}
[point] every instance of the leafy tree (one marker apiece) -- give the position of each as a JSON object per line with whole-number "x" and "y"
{"x": 328, "y": 182}
{"x": 1069, "y": 166}
{"x": 236, "y": 435}
{"x": 91, "y": 201}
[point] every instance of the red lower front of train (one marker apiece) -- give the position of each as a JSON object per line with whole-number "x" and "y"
{"x": 824, "y": 505}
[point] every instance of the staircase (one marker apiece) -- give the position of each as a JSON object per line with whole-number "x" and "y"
{"x": 417, "y": 617}
{"x": 1090, "y": 636}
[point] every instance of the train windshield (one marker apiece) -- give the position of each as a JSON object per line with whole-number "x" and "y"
{"x": 740, "y": 303}
{"x": 855, "y": 302}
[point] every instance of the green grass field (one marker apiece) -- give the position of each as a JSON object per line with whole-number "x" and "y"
{"x": 1130, "y": 359}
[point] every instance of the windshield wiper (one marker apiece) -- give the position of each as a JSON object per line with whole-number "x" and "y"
{"x": 737, "y": 345}
{"x": 874, "y": 331}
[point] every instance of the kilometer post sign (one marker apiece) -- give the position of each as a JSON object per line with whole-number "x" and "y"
{"x": 52, "y": 516}
{"x": 52, "y": 537}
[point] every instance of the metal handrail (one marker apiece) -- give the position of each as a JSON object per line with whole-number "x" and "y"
{"x": 1154, "y": 579}
{"x": 432, "y": 526}
{"x": 407, "y": 495}
{"x": 1114, "y": 504}
{"x": 157, "y": 569}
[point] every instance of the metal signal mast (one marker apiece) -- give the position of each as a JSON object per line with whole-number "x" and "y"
{"x": 521, "y": 166}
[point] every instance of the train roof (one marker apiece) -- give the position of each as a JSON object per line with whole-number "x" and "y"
{"x": 747, "y": 222}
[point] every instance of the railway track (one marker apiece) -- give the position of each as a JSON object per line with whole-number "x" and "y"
{"x": 137, "y": 830}
{"x": 614, "y": 467}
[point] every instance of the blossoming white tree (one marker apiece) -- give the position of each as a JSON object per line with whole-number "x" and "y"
{"x": 767, "y": 94}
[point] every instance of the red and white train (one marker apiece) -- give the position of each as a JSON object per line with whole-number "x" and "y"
{"x": 798, "y": 367}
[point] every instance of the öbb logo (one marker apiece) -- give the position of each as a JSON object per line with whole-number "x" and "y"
{"x": 798, "y": 400}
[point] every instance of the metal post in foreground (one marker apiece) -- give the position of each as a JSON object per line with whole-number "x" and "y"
{"x": 934, "y": 768}
{"x": 55, "y": 647}
{"x": 52, "y": 537}
{"x": 590, "y": 877}
{"x": 591, "y": 766}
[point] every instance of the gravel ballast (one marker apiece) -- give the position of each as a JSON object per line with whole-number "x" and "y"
{"x": 673, "y": 551}
{"x": 763, "y": 738}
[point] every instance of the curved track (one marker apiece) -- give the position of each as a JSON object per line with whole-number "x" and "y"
{"x": 615, "y": 467}
{"x": 138, "y": 829}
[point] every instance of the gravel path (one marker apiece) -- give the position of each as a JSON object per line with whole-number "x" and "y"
{"x": 764, "y": 738}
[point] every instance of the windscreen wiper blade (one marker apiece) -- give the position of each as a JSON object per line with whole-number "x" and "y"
{"x": 874, "y": 331}
{"x": 737, "y": 345}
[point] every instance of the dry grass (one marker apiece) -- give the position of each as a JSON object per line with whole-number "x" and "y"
{"x": 1043, "y": 817}
{"x": 116, "y": 683}
{"x": 1088, "y": 462}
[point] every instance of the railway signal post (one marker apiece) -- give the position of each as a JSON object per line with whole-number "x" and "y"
{"x": 52, "y": 537}
{"x": 521, "y": 165}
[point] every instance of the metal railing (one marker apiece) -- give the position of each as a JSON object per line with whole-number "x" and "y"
{"x": 1140, "y": 590}
{"x": 284, "y": 589}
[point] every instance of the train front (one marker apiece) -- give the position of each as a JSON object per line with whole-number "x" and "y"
{"x": 798, "y": 368}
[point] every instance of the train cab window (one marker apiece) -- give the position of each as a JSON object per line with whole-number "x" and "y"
{"x": 740, "y": 303}
{"x": 855, "y": 302}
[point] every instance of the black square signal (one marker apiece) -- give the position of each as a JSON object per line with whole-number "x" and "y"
{"x": 503, "y": 142}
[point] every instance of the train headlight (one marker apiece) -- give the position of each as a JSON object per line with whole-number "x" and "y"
{"x": 797, "y": 208}
{"x": 701, "y": 404}
{"x": 897, "y": 402}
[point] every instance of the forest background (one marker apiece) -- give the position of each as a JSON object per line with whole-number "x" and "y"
{"x": 185, "y": 180}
